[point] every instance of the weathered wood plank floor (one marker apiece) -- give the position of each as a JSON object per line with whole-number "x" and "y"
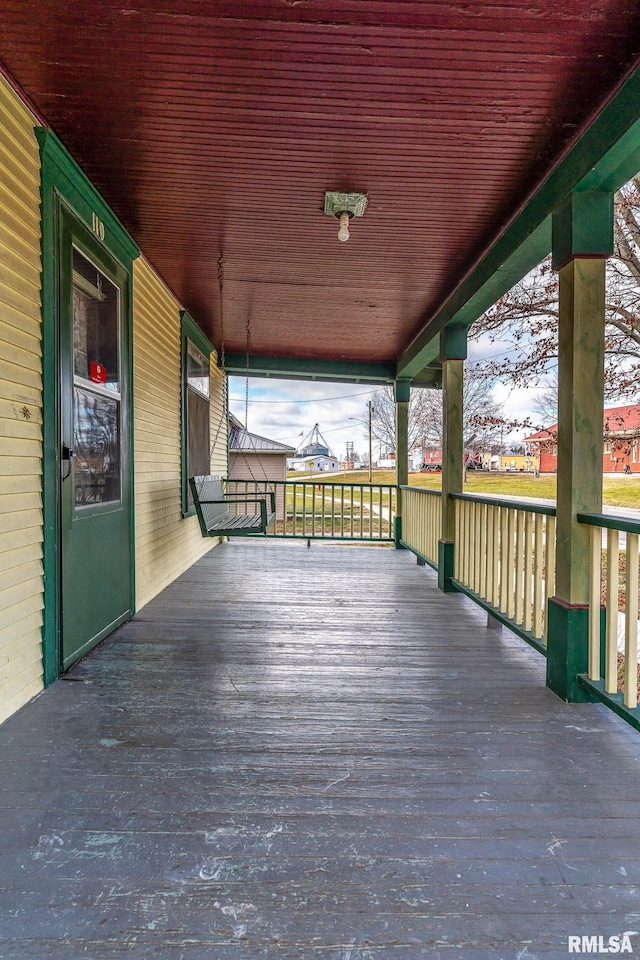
{"x": 299, "y": 754}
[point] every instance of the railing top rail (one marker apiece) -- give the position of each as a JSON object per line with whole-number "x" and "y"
{"x": 607, "y": 520}
{"x": 407, "y": 486}
{"x": 529, "y": 506}
{"x": 314, "y": 481}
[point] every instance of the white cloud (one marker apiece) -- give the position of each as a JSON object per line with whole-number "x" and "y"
{"x": 282, "y": 409}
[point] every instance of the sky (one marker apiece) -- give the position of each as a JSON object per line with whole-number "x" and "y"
{"x": 287, "y": 410}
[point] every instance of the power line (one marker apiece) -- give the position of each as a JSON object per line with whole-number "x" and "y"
{"x": 344, "y": 396}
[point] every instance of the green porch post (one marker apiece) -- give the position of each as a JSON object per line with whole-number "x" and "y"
{"x": 582, "y": 240}
{"x": 453, "y": 353}
{"x": 402, "y": 393}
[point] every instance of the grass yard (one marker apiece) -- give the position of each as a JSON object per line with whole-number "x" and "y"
{"x": 618, "y": 491}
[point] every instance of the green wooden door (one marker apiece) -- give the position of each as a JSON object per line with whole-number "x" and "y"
{"x": 95, "y": 480}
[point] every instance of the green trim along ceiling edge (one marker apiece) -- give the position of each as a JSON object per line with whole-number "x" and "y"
{"x": 305, "y": 368}
{"x": 604, "y": 157}
{"x": 61, "y": 177}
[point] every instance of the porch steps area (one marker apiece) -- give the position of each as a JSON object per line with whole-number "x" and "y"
{"x": 302, "y": 753}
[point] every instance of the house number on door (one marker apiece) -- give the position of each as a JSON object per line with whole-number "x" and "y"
{"x": 97, "y": 226}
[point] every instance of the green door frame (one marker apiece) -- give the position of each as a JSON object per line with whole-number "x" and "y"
{"x": 63, "y": 182}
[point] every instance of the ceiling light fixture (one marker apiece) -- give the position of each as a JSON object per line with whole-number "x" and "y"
{"x": 344, "y": 206}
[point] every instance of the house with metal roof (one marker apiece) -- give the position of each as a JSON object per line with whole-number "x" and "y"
{"x": 255, "y": 458}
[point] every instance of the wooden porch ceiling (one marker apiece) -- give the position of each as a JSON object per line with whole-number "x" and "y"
{"x": 215, "y": 127}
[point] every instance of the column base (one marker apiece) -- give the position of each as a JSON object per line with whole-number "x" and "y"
{"x": 446, "y": 550}
{"x": 568, "y": 649}
{"x": 397, "y": 533}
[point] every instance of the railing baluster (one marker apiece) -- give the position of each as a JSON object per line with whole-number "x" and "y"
{"x": 488, "y": 583}
{"x": 528, "y": 574}
{"x": 351, "y": 507}
{"x": 504, "y": 564}
{"x": 457, "y": 554}
{"x": 538, "y": 539}
{"x": 511, "y": 565}
{"x": 631, "y": 624}
{"x": 495, "y": 594}
{"x": 613, "y": 588}
{"x": 550, "y": 570}
{"x": 518, "y": 612}
{"x": 464, "y": 543}
{"x": 482, "y": 573}
{"x": 594, "y": 603}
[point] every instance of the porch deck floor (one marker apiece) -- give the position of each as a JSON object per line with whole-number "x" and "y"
{"x": 302, "y": 753}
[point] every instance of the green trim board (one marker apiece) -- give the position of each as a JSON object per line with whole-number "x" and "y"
{"x": 603, "y": 157}
{"x": 83, "y": 198}
{"x": 526, "y": 505}
{"x": 421, "y": 556}
{"x": 308, "y": 368}
{"x": 453, "y": 342}
{"x": 189, "y": 332}
{"x": 432, "y": 493}
{"x": 615, "y": 701}
{"x": 402, "y": 391}
{"x": 64, "y": 183}
{"x": 568, "y": 649}
{"x": 523, "y": 634}
{"x": 582, "y": 226}
{"x": 625, "y": 524}
{"x": 446, "y": 565}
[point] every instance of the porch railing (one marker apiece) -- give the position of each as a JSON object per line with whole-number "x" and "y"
{"x": 613, "y": 644}
{"x": 313, "y": 510}
{"x": 505, "y": 560}
{"x": 422, "y": 522}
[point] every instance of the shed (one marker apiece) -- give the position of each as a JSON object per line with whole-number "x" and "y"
{"x": 252, "y": 457}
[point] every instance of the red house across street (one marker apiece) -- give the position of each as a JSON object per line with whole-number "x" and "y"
{"x": 621, "y": 442}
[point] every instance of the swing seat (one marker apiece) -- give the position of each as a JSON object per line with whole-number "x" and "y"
{"x": 216, "y": 520}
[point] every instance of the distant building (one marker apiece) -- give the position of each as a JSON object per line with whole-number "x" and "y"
{"x": 317, "y": 463}
{"x": 255, "y": 458}
{"x": 314, "y": 455}
{"x": 621, "y": 442}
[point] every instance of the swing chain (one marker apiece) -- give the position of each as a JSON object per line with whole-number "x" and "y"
{"x": 224, "y": 418}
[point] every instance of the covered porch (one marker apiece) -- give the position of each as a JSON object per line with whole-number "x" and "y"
{"x": 303, "y": 752}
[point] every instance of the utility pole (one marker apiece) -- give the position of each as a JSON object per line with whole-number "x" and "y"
{"x": 370, "y": 452}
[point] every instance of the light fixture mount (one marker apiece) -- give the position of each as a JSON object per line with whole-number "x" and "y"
{"x": 336, "y": 203}
{"x": 344, "y": 206}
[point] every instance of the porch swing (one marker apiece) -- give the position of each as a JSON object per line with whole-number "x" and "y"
{"x": 210, "y": 499}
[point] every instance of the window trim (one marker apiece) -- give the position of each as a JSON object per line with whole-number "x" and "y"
{"x": 190, "y": 332}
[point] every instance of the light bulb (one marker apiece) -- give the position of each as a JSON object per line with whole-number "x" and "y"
{"x": 343, "y": 232}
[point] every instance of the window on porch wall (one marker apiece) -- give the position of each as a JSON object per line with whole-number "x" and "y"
{"x": 196, "y": 396}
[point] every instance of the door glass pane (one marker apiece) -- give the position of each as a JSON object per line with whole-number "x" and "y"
{"x": 95, "y": 325}
{"x": 96, "y": 395}
{"x": 97, "y": 447}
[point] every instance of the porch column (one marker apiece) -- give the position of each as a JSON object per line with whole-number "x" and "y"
{"x": 453, "y": 353}
{"x": 402, "y": 391}
{"x": 582, "y": 240}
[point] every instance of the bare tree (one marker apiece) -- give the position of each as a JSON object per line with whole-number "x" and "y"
{"x": 483, "y": 415}
{"x": 544, "y": 407}
{"x": 524, "y": 322}
{"x": 383, "y": 417}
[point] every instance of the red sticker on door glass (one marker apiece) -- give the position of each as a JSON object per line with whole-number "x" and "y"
{"x": 97, "y": 372}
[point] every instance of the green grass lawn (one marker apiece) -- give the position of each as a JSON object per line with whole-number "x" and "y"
{"x": 618, "y": 491}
